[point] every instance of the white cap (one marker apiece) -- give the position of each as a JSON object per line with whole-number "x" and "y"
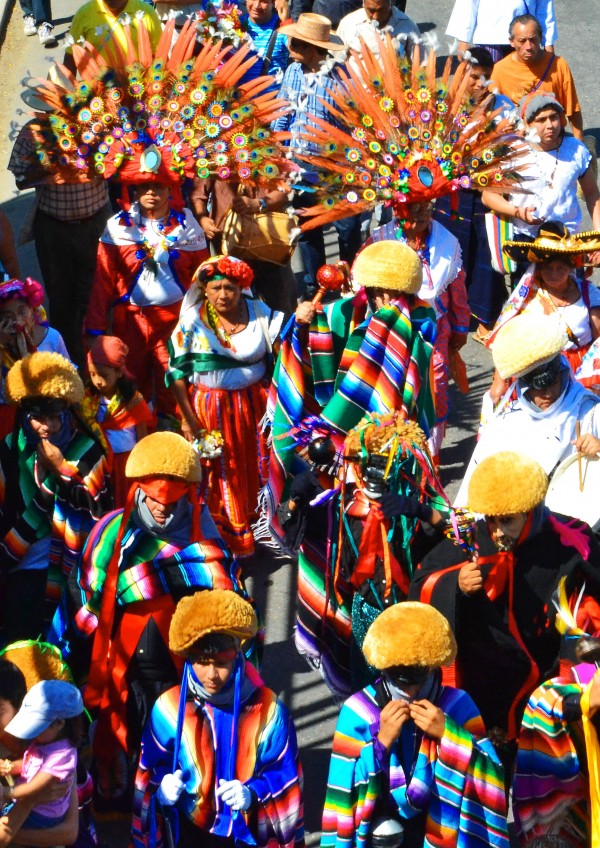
{"x": 45, "y": 702}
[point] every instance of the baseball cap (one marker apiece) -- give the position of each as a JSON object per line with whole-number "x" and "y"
{"x": 45, "y": 702}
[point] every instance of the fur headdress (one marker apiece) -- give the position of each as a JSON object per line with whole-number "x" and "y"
{"x": 38, "y": 661}
{"x": 388, "y": 265}
{"x": 210, "y": 611}
{"x": 526, "y": 342}
{"x": 47, "y": 375}
{"x": 407, "y": 634}
{"x": 164, "y": 455}
{"x": 507, "y": 483}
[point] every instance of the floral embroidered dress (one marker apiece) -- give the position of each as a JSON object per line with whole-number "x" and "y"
{"x": 228, "y": 392}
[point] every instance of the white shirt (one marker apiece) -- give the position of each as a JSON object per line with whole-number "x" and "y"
{"x": 551, "y": 180}
{"x": 487, "y": 21}
{"x": 357, "y": 24}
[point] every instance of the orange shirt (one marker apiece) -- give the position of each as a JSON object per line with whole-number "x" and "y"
{"x": 515, "y": 79}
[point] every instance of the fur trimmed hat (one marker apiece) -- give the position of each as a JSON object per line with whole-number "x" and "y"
{"x": 507, "y": 483}
{"x": 526, "y": 342}
{"x": 47, "y": 375}
{"x": 407, "y": 634}
{"x": 388, "y": 265}
{"x": 37, "y": 661}
{"x": 210, "y": 611}
{"x": 164, "y": 454}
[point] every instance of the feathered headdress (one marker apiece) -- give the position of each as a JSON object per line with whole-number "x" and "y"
{"x": 159, "y": 117}
{"x": 399, "y": 135}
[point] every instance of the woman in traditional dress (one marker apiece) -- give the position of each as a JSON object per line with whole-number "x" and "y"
{"x": 550, "y": 287}
{"x": 219, "y": 358}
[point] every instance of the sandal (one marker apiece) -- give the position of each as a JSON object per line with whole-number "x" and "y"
{"x": 481, "y": 338}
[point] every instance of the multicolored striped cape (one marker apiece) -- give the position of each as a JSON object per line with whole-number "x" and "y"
{"x": 35, "y": 505}
{"x": 149, "y": 568}
{"x": 267, "y": 762}
{"x": 458, "y": 783}
{"x": 384, "y": 365}
{"x": 550, "y": 792}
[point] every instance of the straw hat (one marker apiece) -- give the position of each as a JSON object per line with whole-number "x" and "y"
{"x": 526, "y": 342}
{"x": 388, "y": 265}
{"x": 44, "y": 374}
{"x": 408, "y": 634}
{"x": 553, "y": 241}
{"x": 314, "y": 29}
{"x": 507, "y": 483}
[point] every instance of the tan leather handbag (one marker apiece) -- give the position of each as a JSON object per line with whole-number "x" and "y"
{"x": 267, "y": 236}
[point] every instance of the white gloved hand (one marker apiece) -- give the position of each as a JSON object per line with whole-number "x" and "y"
{"x": 235, "y": 794}
{"x": 171, "y": 787}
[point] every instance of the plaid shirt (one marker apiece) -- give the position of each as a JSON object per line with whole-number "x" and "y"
{"x": 304, "y": 90}
{"x": 68, "y": 202}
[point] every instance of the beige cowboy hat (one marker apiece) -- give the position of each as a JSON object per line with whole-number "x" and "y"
{"x": 314, "y": 29}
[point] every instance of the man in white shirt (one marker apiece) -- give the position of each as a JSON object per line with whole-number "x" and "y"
{"x": 486, "y": 23}
{"x": 375, "y": 14}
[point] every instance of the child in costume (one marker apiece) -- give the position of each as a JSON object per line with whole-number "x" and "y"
{"x": 23, "y": 329}
{"x": 410, "y": 755}
{"x": 53, "y": 487}
{"x": 112, "y": 400}
{"x": 47, "y": 720}
{"x": 220, "y": 748}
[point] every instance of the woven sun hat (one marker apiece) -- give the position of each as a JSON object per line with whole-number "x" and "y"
{"x": 409, "y": 634}
{"x": 314, "y": 29}
{"x": 507, "y": 483}
{"x": 44, "y": 375}
{"x": 164, "y": 454}
{"x": 388, "y": 265}
{"x": 213, "y": 611}
{"x": 525, "y": 342}
{"x": 553, "y": 241}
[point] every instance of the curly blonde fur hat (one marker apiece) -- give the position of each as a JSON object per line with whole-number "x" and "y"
{"x": 507, "y": 483}
{"x": 47, "y": 375}
{"x": 526, "y": 342}
{"x": 388, "y": 265}
{"x": 164, "y": 455}
{"x": 409, "y": 633}
{"x": 211, "y": 611}
{"x": 38, "y": 661}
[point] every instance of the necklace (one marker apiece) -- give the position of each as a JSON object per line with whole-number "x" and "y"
{"x": 550, "y": 180}
{"x": 215, "y": 321}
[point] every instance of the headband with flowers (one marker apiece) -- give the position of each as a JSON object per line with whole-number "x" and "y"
{"x": 219, "y": 267}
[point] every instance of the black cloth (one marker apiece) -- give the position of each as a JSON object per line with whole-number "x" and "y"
{"x": 492, "y": 666}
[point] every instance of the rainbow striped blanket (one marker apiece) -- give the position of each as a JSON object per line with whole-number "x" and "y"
{"x": 458, "y": 784}
{"x": 382, "y": 366}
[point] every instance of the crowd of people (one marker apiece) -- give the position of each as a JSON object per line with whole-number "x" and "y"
{"x": 174, "y": 399}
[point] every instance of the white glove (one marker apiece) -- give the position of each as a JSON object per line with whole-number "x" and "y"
{"x": 235, "y": 794}
{"x": 171, "y": 787}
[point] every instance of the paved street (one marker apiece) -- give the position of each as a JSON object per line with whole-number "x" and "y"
{"x": 272, "y": 581}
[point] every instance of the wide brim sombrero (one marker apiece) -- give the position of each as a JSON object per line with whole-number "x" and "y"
{"x": 553, "y": 241}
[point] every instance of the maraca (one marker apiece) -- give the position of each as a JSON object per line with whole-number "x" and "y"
{"x": 331, "y": 278}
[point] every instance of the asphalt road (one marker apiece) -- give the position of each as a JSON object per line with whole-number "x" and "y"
{"x": 273, "y": 581}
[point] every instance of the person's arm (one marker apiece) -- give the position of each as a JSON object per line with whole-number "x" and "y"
{"x": 544, "y": 11}
{"x": 501, "y": 206}
{"x": 576, "y": 121}
{"x": 462, "y": 22}
{"x": 595, "y": 322}
{"x": 591, "y": 195}
{"x": 190, "y": 425}
{"x": 104, "y": 289}
{"x": 64, "y": 833}
{"x": 8, "y": 251}
{"x": 33, "y": 787}
{"x": 199, "y": 197}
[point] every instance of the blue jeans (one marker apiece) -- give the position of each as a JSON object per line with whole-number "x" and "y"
{"x": 40, "y": 10}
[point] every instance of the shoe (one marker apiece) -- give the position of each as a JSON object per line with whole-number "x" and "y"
{"x": 29, "y": 27}
{"x": 45, "y": 34}
{"x": 481, "y": 335}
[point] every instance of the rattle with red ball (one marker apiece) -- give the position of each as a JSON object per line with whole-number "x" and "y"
{"x": 331, "y": 278}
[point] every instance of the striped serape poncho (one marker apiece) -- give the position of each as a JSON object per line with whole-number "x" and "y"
{"x": 149, "y": 568}
{"x": 457, "y": 784}
{"x": 551, "y": 791}
{"x": 267, "y": 762}
{"x": 35, "y": 504}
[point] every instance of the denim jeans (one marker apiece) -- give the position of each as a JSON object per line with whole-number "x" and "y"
{"x": 40, "y": 10}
